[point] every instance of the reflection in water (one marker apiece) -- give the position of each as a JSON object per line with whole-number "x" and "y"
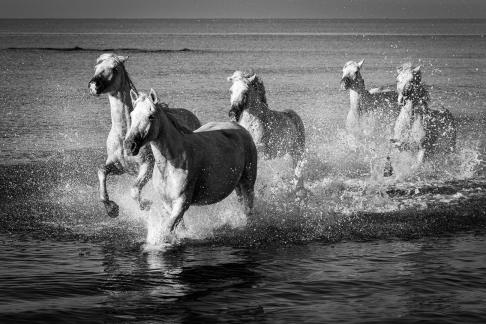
{"x": 434, "y": 278}
{"x": 179, "y": 285}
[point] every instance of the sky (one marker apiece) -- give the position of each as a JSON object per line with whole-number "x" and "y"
{"x": 404, "y": 9}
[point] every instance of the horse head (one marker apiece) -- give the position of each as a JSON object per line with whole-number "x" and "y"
{"x": 246, "y": 90}
{"x": 109, "y": 74}
{"x": 145, "y": 121}
{"x": 351, "y": 75}
{"x": 409, "y": 85}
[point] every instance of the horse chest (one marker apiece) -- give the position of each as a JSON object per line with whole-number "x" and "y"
{"x": 169, "y": 181}
{"x": 418, "y": 132}
{"x": 254, "y": 126}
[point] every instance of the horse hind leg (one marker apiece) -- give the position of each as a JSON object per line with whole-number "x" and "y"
{"x": 298, "y": 163}
{"x": 144, "y": 175}
{"x": 245, "y": 190}
{"x": 246, "y": 196}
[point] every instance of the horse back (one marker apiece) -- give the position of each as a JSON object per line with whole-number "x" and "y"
{"x": 285, "y": 132}
{"x": 212, "y": 126}
{"x": 441, "y": 129}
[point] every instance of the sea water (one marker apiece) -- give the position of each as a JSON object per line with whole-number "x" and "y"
{"x": 360, "y": 248}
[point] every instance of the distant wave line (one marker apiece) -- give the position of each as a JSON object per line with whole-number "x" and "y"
{"x": 82, "y": 49}
{"x": 365, "y": 34}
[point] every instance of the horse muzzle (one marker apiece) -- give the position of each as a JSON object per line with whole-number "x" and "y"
{"x": 345, "y": 84}
{"x": 235, "y": 113}
{"x": 131, "y": 146}
{"x": 401, "y": 100}
{"x": 95, "y": 86}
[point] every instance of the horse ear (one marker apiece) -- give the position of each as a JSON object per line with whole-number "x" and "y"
{"x": 133, "y": 95}
{"x": 360, "y": 63}
{"x": 417, "y": 69}
{"x": 122, "y": 58}
{"x": 153, "y": 96}
{"x": 251, "y": 78}
{"x": 399, "y": 70}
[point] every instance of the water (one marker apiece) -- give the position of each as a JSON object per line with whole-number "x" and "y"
{"x": 362, "y": 248}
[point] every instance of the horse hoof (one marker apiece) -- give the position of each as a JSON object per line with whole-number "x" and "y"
{"x": 112, "y": 208}
{"x": 145, "y": 205}
{"x": 170, "y": 238}
{"x": 302, "y": 194}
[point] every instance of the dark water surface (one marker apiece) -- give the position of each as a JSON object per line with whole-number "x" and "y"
{"x": 361, "y": 249}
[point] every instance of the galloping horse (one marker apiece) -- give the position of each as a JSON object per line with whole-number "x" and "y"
{"x": 366, "y": 103}
{"x": 275, "y": 133}
{"x": 111, "y": 77}
{"x": 199, "y": 168}
{"x": 418, "y": 127}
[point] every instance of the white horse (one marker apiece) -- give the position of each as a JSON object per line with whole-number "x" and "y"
{"x": 198, "y": 168}
{"x": 275, "y": 133}
{"x": 419, "y": 128}
{"x": 378, "y": 104}
{"x": 111, "y": 77}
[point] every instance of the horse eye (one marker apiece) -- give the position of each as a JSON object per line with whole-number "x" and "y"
{"x": 151, "y": 117}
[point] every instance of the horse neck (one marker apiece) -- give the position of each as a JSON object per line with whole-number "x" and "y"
{"x": 257, "y": 107}
{"x": 356, "y": 92}
{"x": 168, "y": 143}
{"x": 121, "y": 105}
{"x": 405, "y": 119}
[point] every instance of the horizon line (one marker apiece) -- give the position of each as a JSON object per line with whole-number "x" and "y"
{"x": 241, "y": 18}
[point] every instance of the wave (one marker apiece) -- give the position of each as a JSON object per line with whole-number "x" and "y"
{"x": 120, "y": 49}
{"x": 285, "y": 34}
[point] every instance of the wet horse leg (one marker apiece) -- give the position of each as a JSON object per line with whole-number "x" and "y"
{"x": 245, "y": 198}
{"x": 179, "y": 207}
{"x": 144, "y": 175}
{"x": 245, "y": 191}
{"x": 109, "y": 167}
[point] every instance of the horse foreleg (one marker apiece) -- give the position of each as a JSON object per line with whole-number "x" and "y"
{"x": 179, "y": 207}
{"x": 298, "y": 180}
{"x": 108, "y": 168}
{"x": 143, "y": 177}
{"x": 420, "y": 156}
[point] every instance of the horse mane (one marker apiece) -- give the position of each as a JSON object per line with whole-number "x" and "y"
{"x": 421, "y": 93}
{"x": 127, "y": 78}
{"x": 172, "y": 118}
{"x": 257, "y": 83}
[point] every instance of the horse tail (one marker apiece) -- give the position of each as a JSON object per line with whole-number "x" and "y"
{"x": 299, "y": 147}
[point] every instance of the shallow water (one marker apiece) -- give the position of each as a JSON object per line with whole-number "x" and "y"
{"x": 361, "y": 248}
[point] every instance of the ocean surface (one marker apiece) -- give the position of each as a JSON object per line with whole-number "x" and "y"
{"x": 361, "y": 248}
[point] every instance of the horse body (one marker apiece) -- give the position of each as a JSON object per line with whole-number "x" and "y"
{"x": 419, "y": 128}
{"x": 366, "y": 106}
{"x": 275, "y": 133}
{"x": 112, "y": 78}
{"x": 199, "y": 168}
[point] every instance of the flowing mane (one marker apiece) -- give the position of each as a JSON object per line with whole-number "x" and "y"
{"x": 420, "y": 93}
{"x": 127, "y": 78}
{"x": 260, "y": 89}
{"x": 257, "y": 84}
{"x": 171, "y": 116}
